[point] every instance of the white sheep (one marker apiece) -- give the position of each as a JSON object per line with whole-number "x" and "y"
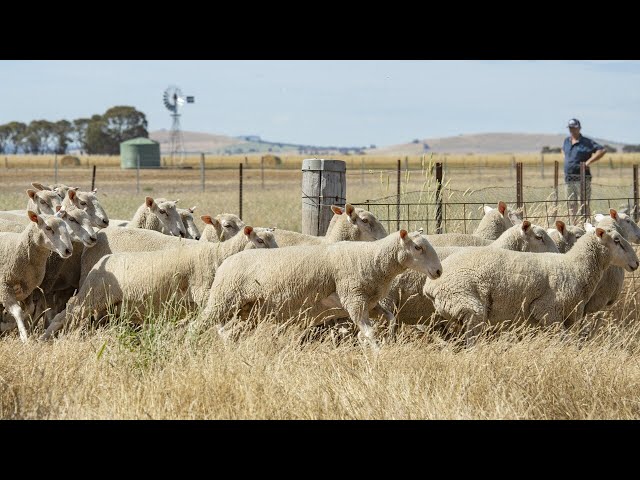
{"x": 44, "y": 201}
{"x": 493, "y": 224}
{"x": 326, "y": 279}
{"x": 565, "y": 236}
{"x": 24, "y": 256}
{"x": 610, "y": 286}
{"x": 405, "y": 295}
{"x": 190, "y": 227}
{"x": 149, "y": 278}
{"x": 348, "y": 223}
{"x": 482, "y": 286}
{"x": 152, "y": 215}
{"x": 221, "y": 227}
{"x": 73, "y": 197}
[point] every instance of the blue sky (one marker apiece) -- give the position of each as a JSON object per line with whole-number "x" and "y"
{"x": 343, "y": 103}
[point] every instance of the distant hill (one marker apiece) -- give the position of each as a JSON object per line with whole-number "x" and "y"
{"x": 223, "y": 144}
{"x": 483, "y": 143}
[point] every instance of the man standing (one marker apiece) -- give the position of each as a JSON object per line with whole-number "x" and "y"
{"x": 578, "y": 149}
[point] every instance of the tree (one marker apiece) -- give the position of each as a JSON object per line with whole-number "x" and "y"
{"x": 17, "y": 133}
{"x": 5, "y": 134}
{"x": 79, "y": 133}
{"x": 62, "y": 130}
{"x": 97, "y": 139}
{"x": 609, "y": 149}
{"x": 123, "y": 123}
{"x": 38, "y": 136}
{"x": 631, "y": 148}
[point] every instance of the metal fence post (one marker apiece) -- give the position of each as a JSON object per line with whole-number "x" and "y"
{"x": 556, "y": 170}
{"x": 93, "y": 178}
{"x": 240, "y": 199}
{"x": 398, "y": 198}
{"x": 202, "y": 170}
{"x": 438, "y": 198}
{"x": 635, "y": 192}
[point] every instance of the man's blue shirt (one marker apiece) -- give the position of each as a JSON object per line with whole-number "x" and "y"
{"x": 580, "y": 151}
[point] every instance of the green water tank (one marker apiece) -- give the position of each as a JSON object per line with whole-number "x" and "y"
{"x": 148, "y": 150}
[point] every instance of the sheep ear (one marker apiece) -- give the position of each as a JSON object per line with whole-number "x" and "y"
{"x": 598, "y": 217}
{"x": 613, "y": 214}
{"x": 60, "y": 212}
{"x": 351, "y": 210}
{"x": 31, "y": 193}
{"x": 95, "y": 190}
{"x": 39, "y": 186}
{"x": 192, "y": 209}
{"x": 600, "y": 232}
{"x": 560, "y": 226}
{"x": 502, "y": 207}
{"x": 525, "y": 225}
{"x": 247, "y": 230}
{"x": 58, "y": 207}
{"x": 33, "y": 216}
{"x": 72, "y": 194}
{"x": 515, "y": 218}
{"x": 487, "y": 209}
{"x": 206, "y": 219}
{"x": 337, "y": 210}
{"x": 403, "y": 234}
{"x": 177, "y": 201}
{"x": 149, "y": 202}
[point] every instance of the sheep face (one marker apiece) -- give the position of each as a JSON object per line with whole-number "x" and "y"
{"x": 259, "y": 237}
{"x": 168, "y": 215}
{"x": 186, "y": 214}
{"x": 622, "y": 254}
{"x": 419, "y": 255}
{"x": 226, "y": 225}
{"x": 537, "y": 238}
{"x": 88, "y": 202}
{"x": 54, "y": 232}
{"x": 79, "y": 225}
{"x": 629, "y": 229}
{"x": 45, "y": 200}
{"x": 368, "y": 226}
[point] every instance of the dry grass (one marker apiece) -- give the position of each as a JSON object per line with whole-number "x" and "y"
{"x": 161, "y": 370}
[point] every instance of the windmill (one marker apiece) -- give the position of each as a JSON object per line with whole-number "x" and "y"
{"x": 173, "y": 101}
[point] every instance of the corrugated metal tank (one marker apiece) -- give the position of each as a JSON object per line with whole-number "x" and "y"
{"x": 148, "y": 150}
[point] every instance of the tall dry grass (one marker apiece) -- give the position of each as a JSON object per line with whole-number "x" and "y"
{"x": 163, "y": 370}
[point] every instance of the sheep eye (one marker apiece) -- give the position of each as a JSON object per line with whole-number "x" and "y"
{"x": 43, "y": 202}
{"x": 617, "y": 240}
{"x": 226, "y": 225}
{"x": 83, "y": 203}
{"x": 418, "y": 247}
{"x": 49, "y": 228}
{"x": 365, "y": 220}
{"x": 162, "y": 211}
{"x": 72, "y": 219}
{"x": 260, "y": 240}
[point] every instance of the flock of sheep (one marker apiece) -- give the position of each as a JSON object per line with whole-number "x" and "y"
{"x": 62, "y": 259}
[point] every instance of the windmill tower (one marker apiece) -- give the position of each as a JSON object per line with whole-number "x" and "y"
{"x": 173, "y": 101}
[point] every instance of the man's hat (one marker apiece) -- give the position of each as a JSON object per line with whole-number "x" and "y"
{"x": 574, "y": 123}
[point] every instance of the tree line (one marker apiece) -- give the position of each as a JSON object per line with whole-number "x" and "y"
{"x": 99, "y": 134}
{"x": 608, "y": 148}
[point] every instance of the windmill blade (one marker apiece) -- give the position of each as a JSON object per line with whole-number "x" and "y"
{"x": 180, "y": 101}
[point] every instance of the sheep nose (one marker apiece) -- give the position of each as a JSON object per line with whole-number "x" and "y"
{"x": 67, "y": 251}
{"x": 106, "y": 223}
{"x": 93, "y": 239}
{"x": 182, "y": 234}
{"x": 198, "y": 237}
{"x": 438, "y": 273}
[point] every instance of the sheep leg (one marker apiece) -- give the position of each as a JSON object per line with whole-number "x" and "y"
{"x": 359, "y": 314}
{"x": 8, "y": 299}
{"x": 390, "y": 317}
{"x": 474, "y": 326}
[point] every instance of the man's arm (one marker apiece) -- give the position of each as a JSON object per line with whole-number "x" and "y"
{"x": 597, "y": 155}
